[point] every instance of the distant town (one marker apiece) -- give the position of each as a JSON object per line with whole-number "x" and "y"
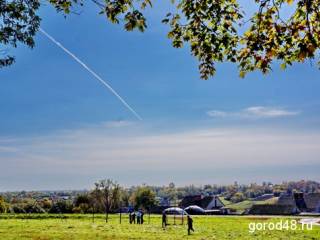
{"x": 287, "y": 198}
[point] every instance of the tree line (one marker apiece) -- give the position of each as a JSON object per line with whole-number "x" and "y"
{"x": 107, "y": 196}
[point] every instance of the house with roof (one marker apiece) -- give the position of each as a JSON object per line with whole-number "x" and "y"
{"x": 307, "y": 202}
{"x": 273, "y": 209}
{"x": 264, "y": 197}
{"x": 163, "y": 201}
{"x": 205, "y": 202}
{"x": 289, "y": 204}
{"x": 212, "y": 204}
{"x": 312, "y": 201}
{"x": 286, "y": 205}
{"x": 286, "y": 199}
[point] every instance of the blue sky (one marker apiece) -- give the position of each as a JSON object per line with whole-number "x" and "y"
{"x": 60, "y": 128}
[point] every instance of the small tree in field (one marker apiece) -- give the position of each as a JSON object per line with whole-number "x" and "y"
{"x": 110, "y": 195}
{"x": 116, "y": 196}
{"x": 94, "y": 199}
{"x": 144, "y": 198}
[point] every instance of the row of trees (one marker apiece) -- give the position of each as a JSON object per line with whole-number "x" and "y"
{"x": 108, "y": 196}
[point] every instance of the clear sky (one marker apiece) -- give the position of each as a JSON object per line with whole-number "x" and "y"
{"x": 61, "y": 129}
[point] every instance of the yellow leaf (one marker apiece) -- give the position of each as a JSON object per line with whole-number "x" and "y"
{"x": 289, "y": 2}
{"x": 302, "y": 56}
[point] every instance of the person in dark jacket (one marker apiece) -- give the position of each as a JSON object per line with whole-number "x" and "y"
{"x": 141, "y": 218}
{"x": 164, "y": 220}
{"x": 130, "y": 217}
{"x": 133, "y": 217}
{"x": 138, "y": 217}
{"x": 190, "y": 225}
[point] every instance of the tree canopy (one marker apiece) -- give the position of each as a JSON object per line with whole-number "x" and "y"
{"x": 281, "y": 31}
{"x": 143, "y": 197}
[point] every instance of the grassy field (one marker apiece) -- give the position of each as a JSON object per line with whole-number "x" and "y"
{"x": 240, "y": 207}
{"x": 80, "y": 227}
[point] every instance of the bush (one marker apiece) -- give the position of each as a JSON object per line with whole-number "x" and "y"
{"x": 34, "y": 208}
{"x": 238, "y": 197}
{"x": 18, "y": 209}
{"x": 3, "y": 206}
{"x": 77, "y": 210}
{"x": 61, "y": 207}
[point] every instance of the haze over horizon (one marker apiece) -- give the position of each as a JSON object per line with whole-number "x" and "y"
{"x": 60, "y": 129}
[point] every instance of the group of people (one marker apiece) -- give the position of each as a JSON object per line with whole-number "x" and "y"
{"x": 189, "y": 222}
{"x": 136, "y": 217}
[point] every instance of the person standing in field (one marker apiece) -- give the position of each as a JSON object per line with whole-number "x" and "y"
{"x": 164, "y": 220}
{"x": 141, "y": 218}
{"x": 190, "y": 224}
{"x": 130, "y": 217}
{"x": 133, "y": 217}
{"x": 138, "y": 217}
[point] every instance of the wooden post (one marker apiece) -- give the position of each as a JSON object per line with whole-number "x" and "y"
{"x": 182, "y": 216}
{"x": 107, "y": 210}
{"x": 92, "y": 214}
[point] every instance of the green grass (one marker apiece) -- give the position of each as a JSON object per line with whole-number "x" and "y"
{"x": 273, "y": 200}
{"x": 242, "y": 206}
{"x": 81, "y": 227}
{"x": 224, "y": 201}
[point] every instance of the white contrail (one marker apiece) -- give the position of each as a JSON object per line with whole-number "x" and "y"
{"x": 92, "y": 72}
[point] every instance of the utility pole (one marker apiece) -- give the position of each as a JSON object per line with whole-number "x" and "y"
{"x": 120, "y": 213}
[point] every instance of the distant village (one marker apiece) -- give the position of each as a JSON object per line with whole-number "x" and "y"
{"x": 266, "y": 204}
{"x": 287, "y": 198}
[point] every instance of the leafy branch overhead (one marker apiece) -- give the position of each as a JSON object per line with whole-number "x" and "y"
{"x": 285, "y": 31}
